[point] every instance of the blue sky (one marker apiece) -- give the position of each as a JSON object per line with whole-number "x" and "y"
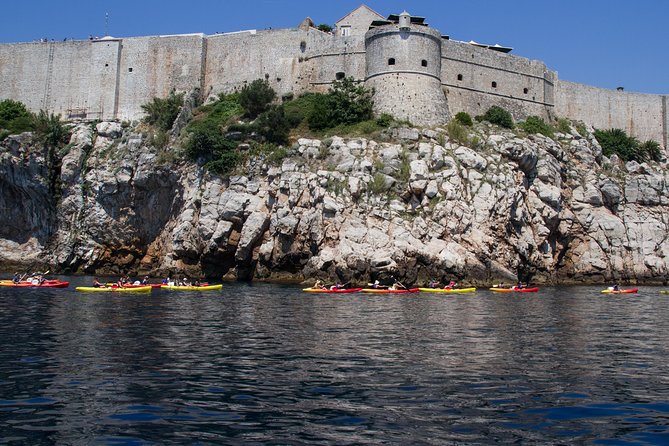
{"x": 605, "y": 43}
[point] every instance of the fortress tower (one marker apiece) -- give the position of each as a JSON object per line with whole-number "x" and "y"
{"x": 404, "y": 68}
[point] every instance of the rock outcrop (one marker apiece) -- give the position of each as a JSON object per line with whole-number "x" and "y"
{"x": 418, "y": 207}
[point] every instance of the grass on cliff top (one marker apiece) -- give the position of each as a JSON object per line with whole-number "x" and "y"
{"x": 216, "y": 114}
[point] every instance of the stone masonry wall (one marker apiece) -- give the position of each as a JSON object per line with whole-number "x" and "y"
{"x": 641, "y": 115}
{"x": 74, "y": 79}
{"x": 237, "y": 58}
{"x": 476, "y": 78}
{"x": 327, "y": 56}
{"x": 154, "y": 66}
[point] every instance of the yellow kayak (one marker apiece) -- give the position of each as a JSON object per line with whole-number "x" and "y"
{"x": 447, "y": 291}
{"x": 108, "y": 289}
{"x": 192, "y": 288}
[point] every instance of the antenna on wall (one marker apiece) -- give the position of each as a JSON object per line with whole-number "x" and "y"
{"x": 106, "y": 23}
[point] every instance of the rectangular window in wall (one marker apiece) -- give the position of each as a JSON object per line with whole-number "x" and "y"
{"x": 345, "y": 30}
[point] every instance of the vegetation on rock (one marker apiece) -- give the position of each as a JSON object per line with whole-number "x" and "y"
{"x": 464, "y": 118}
{"x": 628, "y": 148}
{"x": 499, "y": 116}
{"x": 535, "y": 124}
{"x": 162, "y": 112}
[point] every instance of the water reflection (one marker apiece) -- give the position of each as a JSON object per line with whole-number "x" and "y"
{"x": 256, "y": 364}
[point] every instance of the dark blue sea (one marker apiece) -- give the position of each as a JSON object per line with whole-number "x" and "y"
{"x": 269, "y": 364}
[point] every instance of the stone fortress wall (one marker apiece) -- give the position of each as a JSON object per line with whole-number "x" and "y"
{"x": 111, "y": 78}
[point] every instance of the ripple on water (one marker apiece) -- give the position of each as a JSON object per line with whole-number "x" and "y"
{"x": 266, "y": 364}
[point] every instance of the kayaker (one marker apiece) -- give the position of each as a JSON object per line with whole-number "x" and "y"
{"x": 197, "y": 282}
{"x": 616, "y": 287}
{"x": 97, "y": 283}
{"x": 16, "y": 278}
{"x": 433, "y": 284}
{"x": 519, "y": 286}
{"x": 452, "y": 284}
{"x": 146, "y": 280}
{"x": 318, "y": 285}
{"x": 397, "y": 286}
{"x": 376, "y": 284}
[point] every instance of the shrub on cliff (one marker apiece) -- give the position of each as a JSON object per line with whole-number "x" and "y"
{"x": 163, "y": 112}
{"x": 649, "y": 151}
{"x": 15, "y": 117}
{"x": 464, "y": 118}
{"x": 535, "y": 124}
{"x": 49, "y": 130}
{"x": 346, "y": 103}
{"x": 616, "y": 141}
{"x": 256, "y": 97}
{"x": 273, "y": 125}
{"x": 216, "y": 114}
{"x": 499, "y": 116}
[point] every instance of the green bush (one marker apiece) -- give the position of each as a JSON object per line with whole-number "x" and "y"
{"x": 457, "y": 132}
{"x": 347, "y": 102}
{"x": 499, "y": 116}
{"x": 298, "y": 110}
{"x": 324, "y": 27}
{"x": 563, "y": 126}
{"x": 49, "y": 130}
{"x": 208, "y": 143}
{"x": 256, "y": 97}
{"x": 535, "y": 124}
{"x": 15, "y": 117}
{"x": 225, "y": 163}
{"x": 273, "y": 125}
{"x": 464, "y": 119}
{"x": 384, "y": 120}
{"x": 163, "y": 112}
{"x": 649, "y": 151}
{"x": 216, "y": 114}
{"x": 616, "y": 141}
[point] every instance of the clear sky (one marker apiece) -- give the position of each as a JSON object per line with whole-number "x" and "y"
{"x": 604, "y": 43}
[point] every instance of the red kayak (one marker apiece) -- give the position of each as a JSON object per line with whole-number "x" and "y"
{"x": 326, "y": 290}
{"x": 45, "y": 284}
{"x": 387, "y": 291}
{"x": 628, "y": 291}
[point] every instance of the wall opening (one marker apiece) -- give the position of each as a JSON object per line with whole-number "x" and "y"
{"x": 391, "y": 61}
{"x": 345, "y": 31}
{"x": 129, "y": 70}
{"x": 494, "y": 84}
{"x": 459, "y": 77}
{"x": 525, "y": 90}
{"x": 423, "y": 63}
{"x": 340, "y": 75}
{"x": 106, "y": 65}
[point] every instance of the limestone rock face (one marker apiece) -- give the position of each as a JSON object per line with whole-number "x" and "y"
{"x": 549, "y": 211}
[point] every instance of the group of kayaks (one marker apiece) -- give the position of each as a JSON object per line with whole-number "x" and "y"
{"x": 108, "y": 288}
{"x": 414, "y": 290}
{"x": 513, "y": 289}
{"x": 146, "y": 288}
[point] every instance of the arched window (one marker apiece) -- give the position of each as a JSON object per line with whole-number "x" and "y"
{"x": 391, "y": 61}
{"x": 494, "y": 84}
{"x": 525, "y": 90}
{"x": 459, "y": 77}
{"x": 423, "y": 63}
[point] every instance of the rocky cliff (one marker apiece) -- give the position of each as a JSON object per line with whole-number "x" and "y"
{"x": 414, "y": 205}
